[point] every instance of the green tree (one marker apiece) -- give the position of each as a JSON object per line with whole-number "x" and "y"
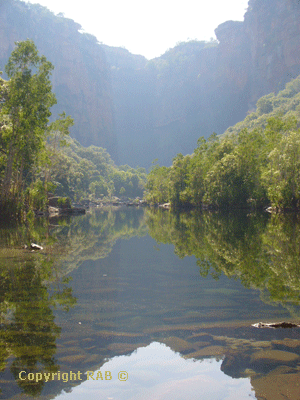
{"x": 157, "y": 186}
{"x": 282, "y": 175}
{"x": 179, "y": 173}
{"x": 27, "y": 110}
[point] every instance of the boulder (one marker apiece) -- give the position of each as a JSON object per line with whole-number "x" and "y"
{"x": 59, "y": 202}
{"x": 276, "y": 325}
{"x": 166, "y": 206}
{"x": 35, "y": 246}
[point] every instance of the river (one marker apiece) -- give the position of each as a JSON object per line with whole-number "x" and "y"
{"x": 134, "y": 303}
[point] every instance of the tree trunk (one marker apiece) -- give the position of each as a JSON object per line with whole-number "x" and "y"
{"x": 7, "y": 181}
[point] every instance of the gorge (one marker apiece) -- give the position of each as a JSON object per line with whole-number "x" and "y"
{"x": 140, "y": 110}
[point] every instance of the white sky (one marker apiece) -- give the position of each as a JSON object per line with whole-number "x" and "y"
{"x": 149, "y": 27}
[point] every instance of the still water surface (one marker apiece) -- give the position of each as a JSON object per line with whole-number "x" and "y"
{"x": 150, "y": 305}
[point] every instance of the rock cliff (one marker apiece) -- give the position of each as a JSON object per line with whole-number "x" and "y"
{"x": 141, "y": 110}
{"x": 199, "y": 88}
{"x": 272, "y": 29}
{"x": 81, "y": 78}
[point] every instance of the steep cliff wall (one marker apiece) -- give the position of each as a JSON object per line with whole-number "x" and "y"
{"x": 143, "y": 110}
{"x": 191, "y": 91}
{"x": 199, "y": 88}
{"x": 273, "y": 31}
{"x": 81, "y": 78}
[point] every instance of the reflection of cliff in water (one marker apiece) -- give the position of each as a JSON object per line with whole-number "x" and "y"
{"x": 142, "y": 292}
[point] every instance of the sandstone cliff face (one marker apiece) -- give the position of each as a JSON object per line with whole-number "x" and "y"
{"x": 142, "y": 110}
{"x": 273, "y": 31}
{"x": 263, "y": 51}
{"x": 195, "y": 90}
{"x": 81, "y": 78}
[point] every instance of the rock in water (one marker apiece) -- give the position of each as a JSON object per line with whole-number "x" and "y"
{"x": 34, "y": 246}
{"x": 276, "y": 325}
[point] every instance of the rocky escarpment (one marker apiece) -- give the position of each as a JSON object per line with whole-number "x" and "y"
{"x": 81, "y": 78}
{"x": 262, "y": 52}
{"x": 199, "y": 88}
{"x": 273, "y": 32}
{"x": 142, "y": 110}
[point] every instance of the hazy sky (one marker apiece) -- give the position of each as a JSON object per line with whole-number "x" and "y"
{"x": 149, "y": 27}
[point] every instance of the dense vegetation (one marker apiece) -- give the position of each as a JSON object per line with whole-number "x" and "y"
{"x": 286, "y": 104}
{"x": 33, "y": 160}
{"x": 79, "y": 172}
{"x": 257, "y": 165}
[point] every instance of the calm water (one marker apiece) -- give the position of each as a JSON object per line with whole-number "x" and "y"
{"x": 140, "y": 304}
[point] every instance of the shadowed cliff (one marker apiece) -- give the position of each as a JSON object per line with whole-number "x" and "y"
{"x": 141, "y": 110}
{"x": 198, "y": 88}
{"x": 81, "y": 77}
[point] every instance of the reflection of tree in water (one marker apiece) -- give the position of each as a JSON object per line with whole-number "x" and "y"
{"x": 93, "y": 235}
{"x": 263, "y": 251}
{"x": 281, "y": 241}
{"x": 28, "y": 330}
{"x": 31, "y": 288}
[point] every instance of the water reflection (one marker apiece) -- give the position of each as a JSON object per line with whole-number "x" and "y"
{"x": 262, "y": 251}
{"x": 157, "y": 372}
{"x": 28, "y": 331}
{"x": 91, "y": 296}
{"x": 33, "y": 284}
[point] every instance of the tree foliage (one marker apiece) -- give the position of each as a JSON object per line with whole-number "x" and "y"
{"x": 89, "y": 172}
{"x": 37, "y": 157}
{"x": 25, "y": 111}
{"x": 246, "y": 168}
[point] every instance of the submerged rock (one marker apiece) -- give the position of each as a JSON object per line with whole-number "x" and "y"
{"x": 291, "y": 343}
{"x": 210, "y": 351}
{"x": 274, "y": 356}
{"x": 123, "y": 348}
{"x": 178, "y": 344}
{"x": 278, "y": 384}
